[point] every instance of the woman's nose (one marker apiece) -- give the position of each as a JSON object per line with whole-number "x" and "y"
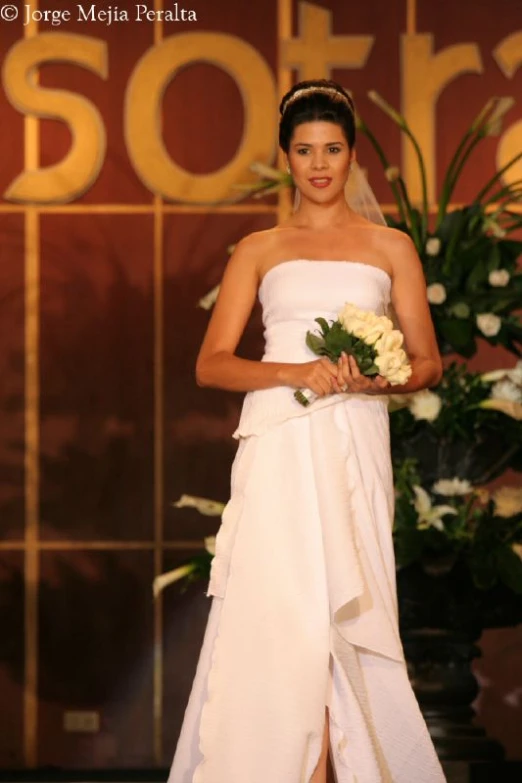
{"x": 318, "y": 162}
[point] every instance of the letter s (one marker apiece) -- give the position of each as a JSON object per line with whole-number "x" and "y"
{"x": 68, "y": 179}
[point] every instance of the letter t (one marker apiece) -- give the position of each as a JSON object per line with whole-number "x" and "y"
{"x": 316, "y": 51}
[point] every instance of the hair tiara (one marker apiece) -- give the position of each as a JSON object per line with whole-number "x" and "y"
{"x": 330, "y": 91}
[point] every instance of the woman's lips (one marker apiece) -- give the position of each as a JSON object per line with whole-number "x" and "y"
{"x": 320, "y": 182}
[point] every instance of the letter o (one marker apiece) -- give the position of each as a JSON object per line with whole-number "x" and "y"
{"x": 144, "y": 95}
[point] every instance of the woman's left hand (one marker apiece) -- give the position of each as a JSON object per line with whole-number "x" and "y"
{"x": 350, "y": 379}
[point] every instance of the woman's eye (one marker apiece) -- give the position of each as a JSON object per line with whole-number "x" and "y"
{"x": 302, "y": 151}
{"x": 335, "y": 149}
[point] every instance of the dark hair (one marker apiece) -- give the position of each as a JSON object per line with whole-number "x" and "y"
{"x": 317, "y": 99}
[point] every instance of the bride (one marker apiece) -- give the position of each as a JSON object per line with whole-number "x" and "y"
{"x": 302, "y": 659}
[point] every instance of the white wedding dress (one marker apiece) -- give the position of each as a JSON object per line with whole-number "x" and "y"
{"x": 304, "y": 611}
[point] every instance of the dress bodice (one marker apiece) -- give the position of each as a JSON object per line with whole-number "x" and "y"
{"x": 292, "y": 295}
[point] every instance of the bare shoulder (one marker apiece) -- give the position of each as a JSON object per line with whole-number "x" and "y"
{"x": 395, "y": 239}
{"x": 256, "y": 249}
{"x": 399, "y": 249}
{"x": 258, "y": 241}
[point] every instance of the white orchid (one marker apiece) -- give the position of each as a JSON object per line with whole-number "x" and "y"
{"x": 427, "y": 514}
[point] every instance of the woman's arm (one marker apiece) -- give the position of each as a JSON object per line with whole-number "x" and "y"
{"x": 218, "y": 367}
{"x": 410, "y": 302}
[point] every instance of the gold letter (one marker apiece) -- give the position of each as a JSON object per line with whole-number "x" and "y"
{"x": 71, "y": 177}
{"x": 143, "y": 110}
{"x": 424, "y": 76}
{"x": 317, "y": 51}
{"x": 508, "y": 55}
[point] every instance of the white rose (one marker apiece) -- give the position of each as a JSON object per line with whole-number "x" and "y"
{"x": 489, "y": 324}
{"x": 499, "y": 278}
{"x": 394, "y": 366}
{"x": 433, "y": 246}
{"x": 400, "y": 375}
{"x": 425, "y": 405}
{"x": 508, "y": 501}
{"x": 436, "y": 293}
{"x": 390, "y": 341}
{"x": 506, "y": 390}
{"x": 452, "y": 487}
{"x": 354, "y": 319}
{"x": 370, "y": 334}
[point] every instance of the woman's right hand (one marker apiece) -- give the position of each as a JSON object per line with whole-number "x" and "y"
{"x": 320, "y": 376}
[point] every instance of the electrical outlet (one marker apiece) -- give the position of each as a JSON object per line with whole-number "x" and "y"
{"x": 83, "y": 721}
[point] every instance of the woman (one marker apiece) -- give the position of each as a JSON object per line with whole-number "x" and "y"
{"x": 302, "y": 653}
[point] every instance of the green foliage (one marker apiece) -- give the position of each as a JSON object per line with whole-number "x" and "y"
{"x": 334, "y": 339}
{"x": 476, "y": 536}
{"x": 466, "y": 245}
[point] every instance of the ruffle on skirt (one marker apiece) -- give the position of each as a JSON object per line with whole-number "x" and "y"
{"x": 304, "y": 615}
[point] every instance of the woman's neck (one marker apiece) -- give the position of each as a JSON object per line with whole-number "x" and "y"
{"x": 324, "y": 217}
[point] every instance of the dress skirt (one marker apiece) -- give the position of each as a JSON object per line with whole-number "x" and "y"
{"x": 304, "y": 615}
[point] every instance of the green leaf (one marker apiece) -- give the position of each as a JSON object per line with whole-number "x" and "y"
{"x": 510, "y": 568}
{"x": 458, "y": 333}
{"x": 495, "y": 258}
{"x": 323, "y": 323}
{"x": 409, "y": 544}
{"x": 483, "y": 570}
{"x": 478, "y": 275}
{"x": 315, "y": 343}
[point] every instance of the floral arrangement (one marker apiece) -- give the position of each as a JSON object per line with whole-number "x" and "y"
{"x": 198, "y": 567}
{"x": 469, "y": 256}
{"x": 368, "y": 337}
{"x": 459, "y": 427}
{"x": 451, "y": 519}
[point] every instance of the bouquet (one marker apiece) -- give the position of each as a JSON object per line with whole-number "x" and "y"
{"x": 371, "y": 339}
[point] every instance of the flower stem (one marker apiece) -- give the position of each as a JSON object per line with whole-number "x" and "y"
{"x": 497, "y": 176}
{"x": 386, "y": 165}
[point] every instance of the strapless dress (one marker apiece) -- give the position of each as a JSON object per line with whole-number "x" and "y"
{"x": 304, "y": 607}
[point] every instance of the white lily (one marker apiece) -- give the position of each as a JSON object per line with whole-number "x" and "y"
{"x": 427, "y": 514}
{"x": 513, "y": 373}
{"x": 267, "y": 172}
{"x": 209, "y": 300}
{"x": 210, "y": 544}
{"x": 509, "y": 407}
{"x": 210, "y": 508}
{"x": 163, "y": 580}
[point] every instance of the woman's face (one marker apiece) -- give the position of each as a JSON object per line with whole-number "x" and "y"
{"x": 319, "y": 158}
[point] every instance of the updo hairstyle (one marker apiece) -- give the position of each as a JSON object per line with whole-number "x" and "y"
{"x": 313, "y": 100}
